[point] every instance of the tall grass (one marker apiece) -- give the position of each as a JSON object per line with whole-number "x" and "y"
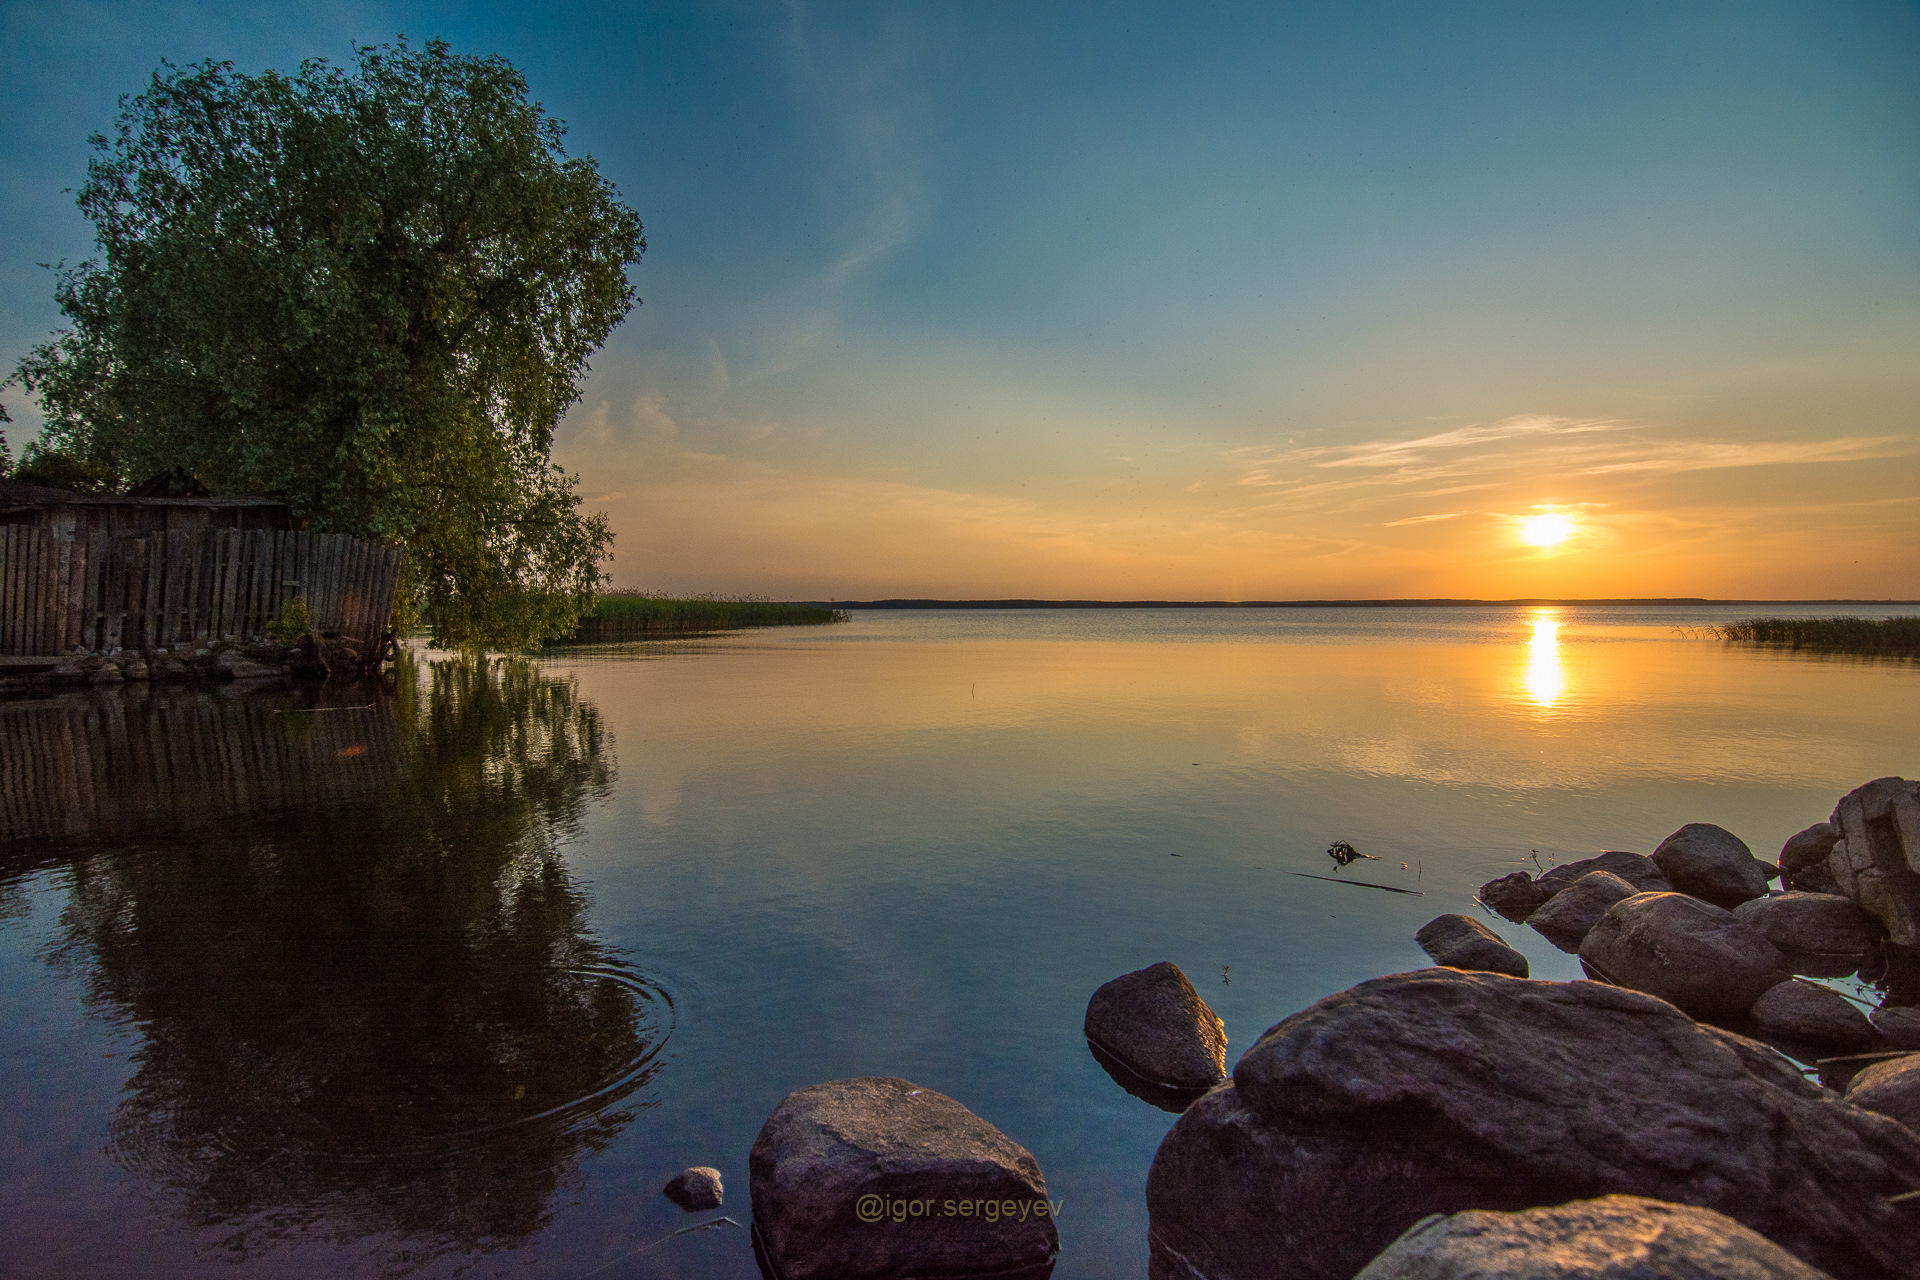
{"x": 1884, "y": 637}
{"x": 625, "y": 615}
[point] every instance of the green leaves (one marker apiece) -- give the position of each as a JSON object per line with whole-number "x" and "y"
{"x": 374, "y": 291}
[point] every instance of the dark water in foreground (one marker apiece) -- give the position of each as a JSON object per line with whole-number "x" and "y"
{"x": 451, "y": 979}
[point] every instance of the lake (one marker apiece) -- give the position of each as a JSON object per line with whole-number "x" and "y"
{"x": 451, "y": 978}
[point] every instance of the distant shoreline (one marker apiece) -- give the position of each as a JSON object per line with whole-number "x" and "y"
{"x": 1672, "y": 601}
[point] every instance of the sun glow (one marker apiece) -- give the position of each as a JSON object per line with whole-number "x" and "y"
{"x": 1546, "y": 530}
{"x": 1544, "y": 679}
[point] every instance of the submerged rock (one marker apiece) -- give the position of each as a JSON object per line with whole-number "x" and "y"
{"x": 877, "y": 1178}
{"x": 1712, "y": 863}
{"x": 1812, "y": 1014}
{"x": 695, "y": 1189}
{"x": 1156, "y": 1024}
{"x": 1877, "y": 861}
{"x": 1891, "y": 1088}
{"x": 1438, "y": 1091}
{"x": 1611, "y": 1238}
{"x": 1515, "y": 896}
{"x": 1692, "y": 953}
{"x": 1461, "y": 942}
{"x": 1570, "y": 914}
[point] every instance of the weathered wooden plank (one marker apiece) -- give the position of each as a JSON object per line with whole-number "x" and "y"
{"x": 263, "y": 566}
{"x": 30, "y": 596}
{"x": 76, "y": 592}
{"x": 9, "y": 567}
{"x": 153, "y": 611}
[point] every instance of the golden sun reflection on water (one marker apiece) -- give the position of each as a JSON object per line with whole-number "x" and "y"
{"x": 1545, "y": 680}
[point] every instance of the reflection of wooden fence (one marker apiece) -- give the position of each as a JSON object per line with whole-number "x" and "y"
{"x": 164, "y": 589}
{"x": 173, "y": 759}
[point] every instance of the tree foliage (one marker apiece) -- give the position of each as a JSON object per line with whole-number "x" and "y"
{"x": 372, "y": 290}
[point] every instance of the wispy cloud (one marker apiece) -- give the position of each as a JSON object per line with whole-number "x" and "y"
{"x": 1444, "y": 515}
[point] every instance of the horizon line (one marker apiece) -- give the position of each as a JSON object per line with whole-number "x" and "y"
{"x": 1426, "y": 602}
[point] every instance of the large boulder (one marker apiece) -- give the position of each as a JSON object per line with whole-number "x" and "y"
{"x": 1636, "y": 869}
{"x": 1516, "y": 895}
{"x": 1438, "y": 1091}
{"x": 1810, "y": 1014}
{"x": 1891, "y": 1088}
{"x": 1877, "y": 860}
{"x": 1812, "y": 925}
{"x": 877, "y": 1178}
{"x": 1612, "y": 1238}
{"x": 1804, "y": 849}
{"x": 1154, "y": 1023}
{"x": 1712, "y": 863}
{"x": 1567, "y": 916}
{"x": 1461, "y": 942}
{"x": 1697, "y": 955}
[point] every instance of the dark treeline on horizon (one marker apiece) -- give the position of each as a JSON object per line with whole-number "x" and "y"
{"x": 1312, "y": 604}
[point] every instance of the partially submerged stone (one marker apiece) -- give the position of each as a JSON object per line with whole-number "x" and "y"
{"x": 877, "y": 1178}
{"x": 1156, "y": 1024}
{"x": 1877, "y": 860}
{"x": 1610, "y": 1238}
{"x": 1692, "y": 953}
{"x": 1813, "y": 924}
{"x": 1814, "y": 1015}
{"x": 1806, "y": 848}
{"x": 1712, "y": 863}
{"x": 695, "y": 1189}
{"x": 1567, "y": 917}
{"x": 1891, "y": 1088}
{"x": 1461, "y": 942}
{"x": 1438, "y": 1091}
{"x": 1516, "y": 895}
{"x": 1636, "y": 869}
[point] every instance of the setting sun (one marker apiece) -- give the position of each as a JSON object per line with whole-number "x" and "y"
{"x": 1545, "y": 531}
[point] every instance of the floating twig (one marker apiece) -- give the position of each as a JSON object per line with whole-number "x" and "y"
{"x": 654, "y": 1244}
{"x": 1364, "y": 884}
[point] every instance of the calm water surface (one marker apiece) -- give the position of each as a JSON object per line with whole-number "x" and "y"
{"x": 450, "y": 980}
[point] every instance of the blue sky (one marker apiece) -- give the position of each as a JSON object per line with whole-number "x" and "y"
{"x": 1188, "y": 301}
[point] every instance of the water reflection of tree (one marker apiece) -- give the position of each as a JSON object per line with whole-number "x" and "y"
{"x": 383, "y": 1016}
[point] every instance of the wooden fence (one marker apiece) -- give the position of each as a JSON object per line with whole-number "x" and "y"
{"x": 160, "y": 590}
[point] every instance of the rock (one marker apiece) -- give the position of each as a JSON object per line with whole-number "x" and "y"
{"x": 1514, "y": 896}
{"x": 1570, "y": 913}
{"x": 247, "y": 669}
{"x": 135, "y": 670}
{"x": 1899, "y": 1024}
{"x": 226, "y": 660}
{"x": 695, "y": 1189}
{"x": 1636, "y": 869}
{"x": 1712, "y": 863}
{"x": 1692, "y": 953}
{"x": 1611, "y": 1238}
{"x": 1877, "y": 860}
{"x": 1812, "y": 1014}
{"x": 68, "y": 673}
{"x": 1891, "y": 1088}
{"x": 1461, "y": 942}
{"x": 1817, "y": 878}
{"x": 108, "y": 674}
{"x": 1808, "y": 848}
{"x": 1156, "y": 1024}
{"x": 877, "y": 1177}
{"x": 1812, "y": 924}
{"x": 1438, "y": 1090}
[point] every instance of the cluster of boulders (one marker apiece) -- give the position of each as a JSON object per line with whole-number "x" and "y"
{"x": 313, "y": 658}
{"x": 1464, "y": 1120}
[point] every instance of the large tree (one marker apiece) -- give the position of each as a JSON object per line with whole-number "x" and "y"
{"x": 373, "y": 290}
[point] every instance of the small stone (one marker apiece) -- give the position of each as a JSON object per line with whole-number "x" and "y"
{"x": 1570, "y": 913}
{"x": 1461, "y": 942}
{"x": 1514, "y": 896}
{"x": 1891, "y": 1088}
{"x": 1711, "y": 863}
{"x": 1813, "y": 1014}
{"x": 135, "y": 670}
{"x": 108, "y": 674}
{"x": 1805, "y": 848}
{"x": 246, "y": 669}
{"x": 1156, "y": 1024}
{"x": 1615, "y": 1237}
{"x": 1690, "y": 953}
{"x": 695, "y": 1189}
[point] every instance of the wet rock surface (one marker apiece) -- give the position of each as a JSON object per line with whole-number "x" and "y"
{"x": 1811, "y": 1014}
{"x": 1610, "y": 1238}
{"x": 1711, "y": 863}
{"x": 1440, "y": 1091}
{"x": 1692, "y": 953}
{"x": 1570, "y": 914}
{"x": 851, "y": 1180}
{"x": 695, "y": 1189}
{"x": 1891, "y": 1088}
{"x": 1154, "y": 1023}
{"x": 1515, "y": 896}
{"x": 1461, "y": 942}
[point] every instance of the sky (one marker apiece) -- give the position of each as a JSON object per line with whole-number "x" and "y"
{"x": 1198, "y": 301}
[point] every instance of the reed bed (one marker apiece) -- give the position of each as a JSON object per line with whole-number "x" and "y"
{"x": 1877, "y": 637}
{"x": 627, "y": 615}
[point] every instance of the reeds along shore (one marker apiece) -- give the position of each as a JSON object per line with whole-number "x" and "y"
{"x": 622, "y": 616}
{"x": 1882, "y": 637}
